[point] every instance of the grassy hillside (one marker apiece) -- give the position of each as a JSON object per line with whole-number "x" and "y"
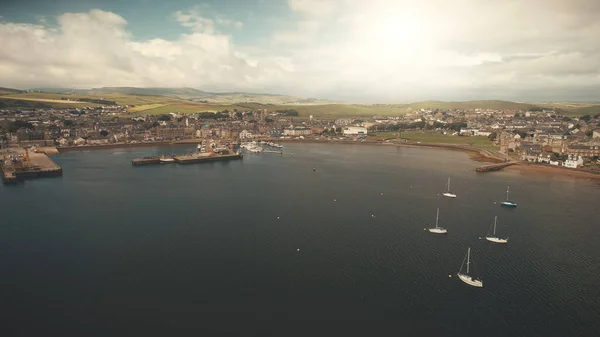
{"x": 38, "y": 104}
{"x": 431, "y": 137}
{"x": 154, "y": 101}
{"x": 9, "y": 91}
{"x": 489, "y": 104}
{"x": 187, "y": 94}
{"x": 589, "y": 110}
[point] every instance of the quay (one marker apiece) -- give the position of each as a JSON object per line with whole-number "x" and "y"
{"x": 187, "y": 158}
{"x": 19, "y": 164}
{"x": 494, "y": 167}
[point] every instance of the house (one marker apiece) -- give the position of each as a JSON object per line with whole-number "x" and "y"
{"x": 584, "y": 150}
{"x": 245, "y": 134}
{"x": 79, "y": 141}
{"x": 574, "y": 161}
{"x": 596, "y": 133}
{"x": 344, "y": 121}
{"x": 98, "y": 140}
{"x": 62, "y": 142}
{"x": 297, "y": 131}
{"x": 531, "y": 152}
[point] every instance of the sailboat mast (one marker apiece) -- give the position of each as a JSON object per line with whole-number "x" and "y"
{"x": 495, "y": 218}
{"x": 437, "y": 217}
{"x": 448, "y": 184}
{"x": 507, "y": 188}
{"x": 468, "y": 258}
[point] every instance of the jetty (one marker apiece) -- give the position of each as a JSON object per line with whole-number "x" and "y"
{"x": 192, "y": 158}
{"x": 19, "y": 164}
{"x": 494, "y": 167}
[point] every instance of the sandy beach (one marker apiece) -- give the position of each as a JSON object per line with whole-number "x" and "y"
{"x": 538, "y": 169}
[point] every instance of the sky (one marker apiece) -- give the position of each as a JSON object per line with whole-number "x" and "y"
{"x": 375, "y": 51}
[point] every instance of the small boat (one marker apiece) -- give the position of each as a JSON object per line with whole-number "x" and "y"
{"x": 508, "y": 203}
{"x": 166, "y": 160}
{"x": 254, "y": 149}
{"x": 437, "y": 229}
{"x": 447, "y": 193}
{"x": 493, "y": 237}
{"x": 466, "y": 277}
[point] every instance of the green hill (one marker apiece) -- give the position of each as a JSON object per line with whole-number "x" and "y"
{"x": 188, "y": 94}
{"x": 189, "y": 100}
{"x": 485, "y": 104}
{"x": 9, "y": 91}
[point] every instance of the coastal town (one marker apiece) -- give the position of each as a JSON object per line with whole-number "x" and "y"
{"x": 541, "y": 136}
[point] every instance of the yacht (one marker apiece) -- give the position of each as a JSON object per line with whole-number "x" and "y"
{"x": 437, "y": 229}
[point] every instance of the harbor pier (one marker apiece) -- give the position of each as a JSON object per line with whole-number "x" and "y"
{"x": 186, "y": 159}
{"x": 494, "y": 167}
{"x": 18, "y": 164}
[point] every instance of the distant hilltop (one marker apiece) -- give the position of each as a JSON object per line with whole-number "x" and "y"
{"x": 191, "y": 94}
{"x": 142, "y": 101}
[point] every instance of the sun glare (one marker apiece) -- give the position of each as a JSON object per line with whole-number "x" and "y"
{"x": 399, "y": 31}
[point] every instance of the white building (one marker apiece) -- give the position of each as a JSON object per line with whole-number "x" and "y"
{"x": 573, "y": 161}
{"x": 245, "y": 134}
{"x": 297, "y": 131}
{"x": 343, "y": 121}
{"x": 482, "y": 133}
{"x": 355, "y": 130}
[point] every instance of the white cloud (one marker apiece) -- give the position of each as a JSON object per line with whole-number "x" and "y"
{"x": 313, "y": 7}
{"x": 392, "y": 50}
{"x": 195, "y": 21}
{"x": 94, "y": 49}
{"x": 200, "y": 23}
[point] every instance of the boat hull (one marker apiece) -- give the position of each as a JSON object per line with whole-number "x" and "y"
{"x": 470, "y": 281}
{"x": 508, "y": 204}
{"x": 496, "y": 240}
{"x": 449, "y": 195}
{"x": 438, "y": 230}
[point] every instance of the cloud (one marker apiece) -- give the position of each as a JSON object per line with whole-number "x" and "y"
{"x": 312, "y": 7}
{"x": 94, "y": 49}
{"x": 195, "y": 21}
{"x": 198, "y": 22}
{"x": 380, "y": 50}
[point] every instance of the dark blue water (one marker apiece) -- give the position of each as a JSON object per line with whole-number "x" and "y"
{"x": 110, "y": 249}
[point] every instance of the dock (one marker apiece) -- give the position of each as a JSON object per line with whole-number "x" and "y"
{"x": 187, "y": 158}
{"x": 19, "y": 164}
{"x": 494, "y": 167}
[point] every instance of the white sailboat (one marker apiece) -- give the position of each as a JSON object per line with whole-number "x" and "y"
{"x": 466, "y": 277}
{"x": 437, "y": 229}
{"x": 508, "y": 203}
{"x": 493, "y": 237}
{"x": 447, "y": 193}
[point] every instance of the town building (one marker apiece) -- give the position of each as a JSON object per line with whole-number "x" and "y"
{"x": 355, "y": 130}
{"x": 297, "y": 131}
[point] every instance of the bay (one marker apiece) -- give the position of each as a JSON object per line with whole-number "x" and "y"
{"x": 266, "y": 246}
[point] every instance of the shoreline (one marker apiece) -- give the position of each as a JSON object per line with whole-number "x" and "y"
{"x": 557, "y": 171}
{"x": 118, "y": 146}
{"x": 475, "y": 154}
